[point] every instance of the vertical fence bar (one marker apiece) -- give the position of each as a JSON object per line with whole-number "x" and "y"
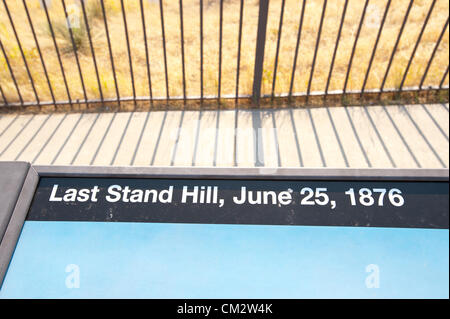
{"x": 21, "y": 52}
{"x": 260, "y": 45}
{"x": 433, "y": 54}
{"x": 11, "y": 72}
{"x": 164, "y": 47}
{"x": 349, "y": 67}
{"x": 395, "y": 47}
{"x": 417, "y": 44}
{"x": 280, "y": 27}
{"x": 5, "y": 101}
{"x": 30, "y": 23}
{"x": 182, "y": 50}
{"x": 236, "y": 100}
{"x": 374, "y": 50}
{"x": 338, "y": 37}
{"x": 238, "y": 65}
{"x": 220, "y": 49}
{"x": 443, "y": 78}
{"x": 52, "y": 32}
{"x": 75, "y": 51}
{"x": 105, "y": 21}
{"x": 130, "y": 62}
{"x": 149, "y": 79}
{"x": 308, "y": 91}
{"x": 88, "y": 31}
{"x": 297, "y": 45}
{"x": 201, "y": 51}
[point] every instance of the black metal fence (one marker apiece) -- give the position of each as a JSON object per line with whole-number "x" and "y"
{"x": 27, "y": 66}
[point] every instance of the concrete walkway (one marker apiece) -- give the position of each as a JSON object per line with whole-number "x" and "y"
{"x": 412, "y": 136}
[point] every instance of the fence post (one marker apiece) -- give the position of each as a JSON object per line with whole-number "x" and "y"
{"x": 259, "y": 55}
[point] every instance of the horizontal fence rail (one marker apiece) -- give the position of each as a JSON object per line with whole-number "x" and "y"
{"x": 55, "y": 52}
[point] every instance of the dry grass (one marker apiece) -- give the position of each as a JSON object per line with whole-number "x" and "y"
{"x": 211, "y": 47}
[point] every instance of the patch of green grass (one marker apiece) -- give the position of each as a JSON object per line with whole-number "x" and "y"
{"x": 62, "y": 31}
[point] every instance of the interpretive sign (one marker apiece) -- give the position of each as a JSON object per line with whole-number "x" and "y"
{"x": 86, "y": 232}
